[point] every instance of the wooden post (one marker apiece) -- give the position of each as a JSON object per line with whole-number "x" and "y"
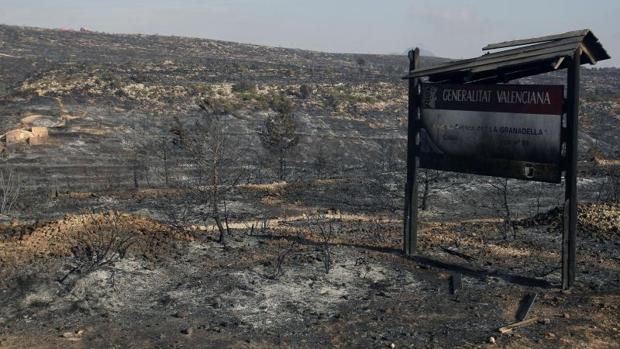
{"x": 569, "y": 235}
{"x": 411, "y": 188}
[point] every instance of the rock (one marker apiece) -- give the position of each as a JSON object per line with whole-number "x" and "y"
{"x": 566, "y": 315}
{"x": 217, "y": 302}
{"x": 180, "y": 314}
{"x": 392, "y": 345}
{"x": 73, "y": 336}
{"x": 187, "y": 331}
{"x": 545, "y": 321}
{"x": 166, "y": 299}
{"x": 491, "y": 340}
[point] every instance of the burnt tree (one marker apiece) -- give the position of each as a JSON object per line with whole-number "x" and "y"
{"x": 213, "y": 154}
{"x": 279, "y": 135}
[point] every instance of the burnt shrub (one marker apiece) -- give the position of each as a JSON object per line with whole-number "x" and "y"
{"x": 281, "y": 105}
{"x": 244, "y": 87}
{"x": 305, "y": 91}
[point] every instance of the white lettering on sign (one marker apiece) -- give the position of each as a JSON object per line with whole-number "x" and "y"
{"x": 523, "y": 97}
{"x": 503, "y": 96}
{"x": 472, "y": 96}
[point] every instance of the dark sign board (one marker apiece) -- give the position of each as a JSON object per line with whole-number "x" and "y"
{"x": 511, "y": 131}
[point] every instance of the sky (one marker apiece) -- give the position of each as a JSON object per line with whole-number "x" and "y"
{"x": 448, "y": 28}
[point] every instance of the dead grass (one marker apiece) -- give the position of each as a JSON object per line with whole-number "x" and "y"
{"x": 90, "y": 131}
{"x": 58, "y": 238}
{"x": 602, "y": 162}
{"x": 141, "y": 194}
{"x": 269, "y": 187}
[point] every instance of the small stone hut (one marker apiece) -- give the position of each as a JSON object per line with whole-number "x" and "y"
{"x": 39, "y": 135}
{"x": 18, "y": 136}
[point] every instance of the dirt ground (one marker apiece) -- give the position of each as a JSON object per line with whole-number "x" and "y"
{"x": 268, "y": 287}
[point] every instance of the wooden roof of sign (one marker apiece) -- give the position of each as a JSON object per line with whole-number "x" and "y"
{"x": 517, "y": 59}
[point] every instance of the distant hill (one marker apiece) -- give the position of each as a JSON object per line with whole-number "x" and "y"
{"x": 100, "y": 94}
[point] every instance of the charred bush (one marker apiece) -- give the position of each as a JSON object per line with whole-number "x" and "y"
{"x": 325, "y": 230}
{"x": 244, "y": 87}
{"x": 101, "y": 240}
{"x": 305, "y": 91}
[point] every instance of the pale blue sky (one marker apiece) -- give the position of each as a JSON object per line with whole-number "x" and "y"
{"x": 449, "y": 28}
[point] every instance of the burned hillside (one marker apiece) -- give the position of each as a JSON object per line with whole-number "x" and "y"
{"x": 164, "y": 191}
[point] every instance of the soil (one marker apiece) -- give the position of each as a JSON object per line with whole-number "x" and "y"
{"x": 200, "y": 293}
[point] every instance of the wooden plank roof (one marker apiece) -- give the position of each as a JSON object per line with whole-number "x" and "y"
{"x": 520, "y": 58}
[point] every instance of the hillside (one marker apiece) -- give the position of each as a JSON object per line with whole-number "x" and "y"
{"x": 99, "y": 93}
{"x": 93, "y": 89}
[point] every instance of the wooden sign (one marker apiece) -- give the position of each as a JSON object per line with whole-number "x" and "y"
{"x": 457, "y": 123}
{"x": 511, "y": 131}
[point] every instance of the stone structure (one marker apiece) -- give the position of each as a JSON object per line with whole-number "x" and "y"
{"x": 18, "y": 136}
{"x": 39, "y": 135}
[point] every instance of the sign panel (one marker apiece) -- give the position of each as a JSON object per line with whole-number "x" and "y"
{"x": 501, "y": 130}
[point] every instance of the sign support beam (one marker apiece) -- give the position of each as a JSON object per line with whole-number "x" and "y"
{"x": 411, "y": 188}
{"x": 569, "y": 233}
